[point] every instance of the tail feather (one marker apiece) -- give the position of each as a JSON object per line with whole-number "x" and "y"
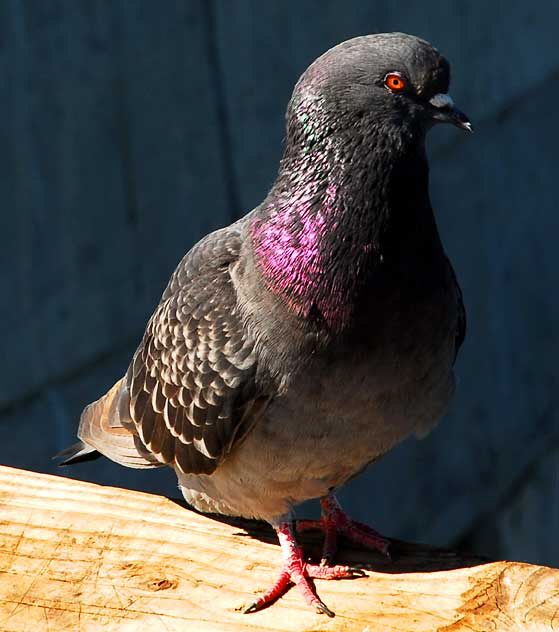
{"x": 77, "y": 453}
{"x": 106, "y": 428}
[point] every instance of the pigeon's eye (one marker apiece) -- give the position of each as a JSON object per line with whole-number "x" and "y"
{"x": 393, "y": 81}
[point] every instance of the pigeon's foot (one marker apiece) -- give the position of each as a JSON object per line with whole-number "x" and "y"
{"x": 296, "y": 571}
{"x": 335, "y": 521}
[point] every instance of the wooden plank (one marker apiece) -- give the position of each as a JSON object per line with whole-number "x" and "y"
{"x": 78, "y": 556}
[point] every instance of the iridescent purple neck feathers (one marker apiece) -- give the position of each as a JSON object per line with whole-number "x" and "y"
{"x": 291, "y": 248}
{"x": 319, "y": 235}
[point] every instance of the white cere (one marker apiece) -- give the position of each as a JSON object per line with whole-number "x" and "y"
{"x": 441, "y": 101}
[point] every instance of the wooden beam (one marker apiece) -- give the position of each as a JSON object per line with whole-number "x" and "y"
{"x": 81, "y": 557}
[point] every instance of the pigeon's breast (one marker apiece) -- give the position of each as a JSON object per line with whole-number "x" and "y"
{"x": 390, "y": 377}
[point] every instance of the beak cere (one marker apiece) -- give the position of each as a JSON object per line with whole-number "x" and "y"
{"x": 446, "y": 112}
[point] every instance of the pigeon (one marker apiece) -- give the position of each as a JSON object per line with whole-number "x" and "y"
{"x": 295, "y": 347}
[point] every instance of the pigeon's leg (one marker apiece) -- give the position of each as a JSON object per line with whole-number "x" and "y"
{"x": 334, "y": 521}
{"x": 296, "y": 571}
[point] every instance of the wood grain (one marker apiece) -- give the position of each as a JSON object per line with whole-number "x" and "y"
{"x": 78, "y": 556}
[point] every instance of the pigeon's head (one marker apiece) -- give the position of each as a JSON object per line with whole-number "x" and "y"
{"x": 393, "y": 82}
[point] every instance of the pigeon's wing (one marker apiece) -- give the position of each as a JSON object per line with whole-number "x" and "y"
{"x": 192, "y": 380}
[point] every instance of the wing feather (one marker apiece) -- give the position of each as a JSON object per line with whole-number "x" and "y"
{"x": 192, "y": 379}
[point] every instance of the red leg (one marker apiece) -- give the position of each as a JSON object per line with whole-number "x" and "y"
{"x": 296, "y": 571}
{"x": 335, "y": 520}
{"x": 329, "y": 528}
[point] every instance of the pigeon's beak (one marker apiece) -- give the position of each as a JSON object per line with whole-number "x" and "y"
{"x": 445, "y": 111}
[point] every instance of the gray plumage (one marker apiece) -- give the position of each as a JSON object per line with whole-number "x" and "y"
{"x": 296, "y": 346}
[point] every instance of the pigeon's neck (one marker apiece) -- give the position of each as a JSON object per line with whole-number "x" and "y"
{"x": 337, "y": 213}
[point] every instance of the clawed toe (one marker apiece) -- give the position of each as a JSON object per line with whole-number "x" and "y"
{"x": 252, "y": 608}
{"x": 296, "y": 571}
{"x": 322, "y": 608}
{"x": 319, "y": 571}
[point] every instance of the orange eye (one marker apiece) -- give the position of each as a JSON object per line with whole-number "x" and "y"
{"x": 394, "y": 82}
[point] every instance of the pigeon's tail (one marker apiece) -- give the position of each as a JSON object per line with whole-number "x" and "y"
{"x": 77, "y": 453}
{"x": 106, "y": 429}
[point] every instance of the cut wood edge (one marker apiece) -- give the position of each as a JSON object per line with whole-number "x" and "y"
{"x": 79, "y": 556}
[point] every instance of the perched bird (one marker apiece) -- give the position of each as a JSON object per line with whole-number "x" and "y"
{"x": 298, "y": 345}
